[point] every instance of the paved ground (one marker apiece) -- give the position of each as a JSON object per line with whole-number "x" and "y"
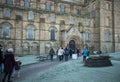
{"x": 30, "y": 69}
{"x": 71, "y": 71}
{"x": 33, "y": 66}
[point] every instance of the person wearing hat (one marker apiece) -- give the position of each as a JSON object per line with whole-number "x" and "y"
{"x": 9, "y": 62}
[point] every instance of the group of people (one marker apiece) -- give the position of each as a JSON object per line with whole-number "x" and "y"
{"x": 66, "y": 53}
{"x": 8, "y": 64}
{"x": 61, "y": 53}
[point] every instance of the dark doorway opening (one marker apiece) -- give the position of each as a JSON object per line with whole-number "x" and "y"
{"x": 72, "y": 45}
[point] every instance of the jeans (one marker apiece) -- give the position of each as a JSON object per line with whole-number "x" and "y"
{"x": 1, "y": 67}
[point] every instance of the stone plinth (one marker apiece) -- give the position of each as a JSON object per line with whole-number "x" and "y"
{"x": 99, "y": 61}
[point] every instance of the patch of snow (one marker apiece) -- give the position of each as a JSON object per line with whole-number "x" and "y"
{"x": 75, "y": 71}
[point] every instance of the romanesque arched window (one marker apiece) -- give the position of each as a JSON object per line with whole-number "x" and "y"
{"x": 27, "y": 3}
{"x": 17, "y": 2}
{"x": 108, "y": 6}
{"x": 62, "y": 9}
{"x": 71, "y": 20}
{"x": 107, "y": 21}
{"x": 52, "y": 18}
{"x": 6, "y": 30}
{"x": 87, "y": 23}
{"x": 94, "y": 6}
{"x": 78, "y": 11}
{"x": 6, "y": 12}
{"x": 52, "y": 34}
{"x": 30, "y": 16}
{"x": 30, "y": 32}
{"x": 107, "y": 36}
{"x": 9, "y": 1}
{"x": 48, "y": 6}
{"x": 87, "y": 36}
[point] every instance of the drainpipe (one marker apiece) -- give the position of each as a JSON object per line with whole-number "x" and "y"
{"x": 113, "y": 28}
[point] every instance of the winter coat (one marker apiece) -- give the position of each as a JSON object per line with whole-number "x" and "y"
{"x": 60, "y": 52}
{"x": 85, "y": 52}
{"x": 1, "y": 56}
{"x": 17, "y": 64}
{"x": 52, "y": 52}
{"x": 66, "y": 52}
{"x": 9, "y": 62}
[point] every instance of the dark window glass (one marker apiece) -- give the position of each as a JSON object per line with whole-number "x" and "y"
{"x": 52, "y": 34}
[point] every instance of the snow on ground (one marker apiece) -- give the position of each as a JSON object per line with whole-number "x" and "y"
{"x": 75, "y": 71}
{"x": 29, "y": 59}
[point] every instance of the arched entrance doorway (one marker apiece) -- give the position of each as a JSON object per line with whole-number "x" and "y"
{"x": 72, "y": 45}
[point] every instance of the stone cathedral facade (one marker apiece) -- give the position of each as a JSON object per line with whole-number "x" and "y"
{"x": 33, "y": 26}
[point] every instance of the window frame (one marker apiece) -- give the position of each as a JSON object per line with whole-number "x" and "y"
{"x": 26, "y": 3}
{"x": 6, "y": 13}
{"x": 87, "y": 23}
{"x": 9, "y": 2}
{"x": 78, "y": 11}
{"x": 87, "y": 36}
{"x": 71, "y": 21}
{"x": 48, "y": 6}
{"x": 52, "y": 34}
{"x": 8, "y": 30}
{"x": 30, "y": 28}
{"x": 62, "y": 8}
{"x": 30, "y": 16}
{"x": 107, "y": 36}
{"x": 52, "y": 18}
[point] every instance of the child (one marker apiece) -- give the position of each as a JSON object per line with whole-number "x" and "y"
{"x": 17, "y": 68}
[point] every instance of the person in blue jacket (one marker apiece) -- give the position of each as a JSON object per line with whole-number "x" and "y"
{"x": 85, "y": 54}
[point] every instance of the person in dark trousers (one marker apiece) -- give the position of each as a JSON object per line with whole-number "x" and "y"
{"x": 17, "y": 68}
{"x": 51, "y": 53}
{"x": 1, "y": 59}
{"x": 60, "y": 54}
{"x": 57, "y": 54}
{"x": 85, "y": 54}
{"x": 9, "y": 62}
{"x": 78, "y": 52}
{"x": 66, "y": 54}
{"x": 70, "y": 52}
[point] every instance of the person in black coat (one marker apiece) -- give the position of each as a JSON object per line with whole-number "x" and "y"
{"x": 66, "y": 54}
{"x": 9, "y": 62}
{"x": 78, "y": 52}
{"x": 70, "y": 52}
{"x": 1, "y": 59}
{"x": 51, "y": 53}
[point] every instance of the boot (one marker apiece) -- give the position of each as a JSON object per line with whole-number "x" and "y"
{"x": 9, "y": 81}
{"x": 3, "y": 80}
